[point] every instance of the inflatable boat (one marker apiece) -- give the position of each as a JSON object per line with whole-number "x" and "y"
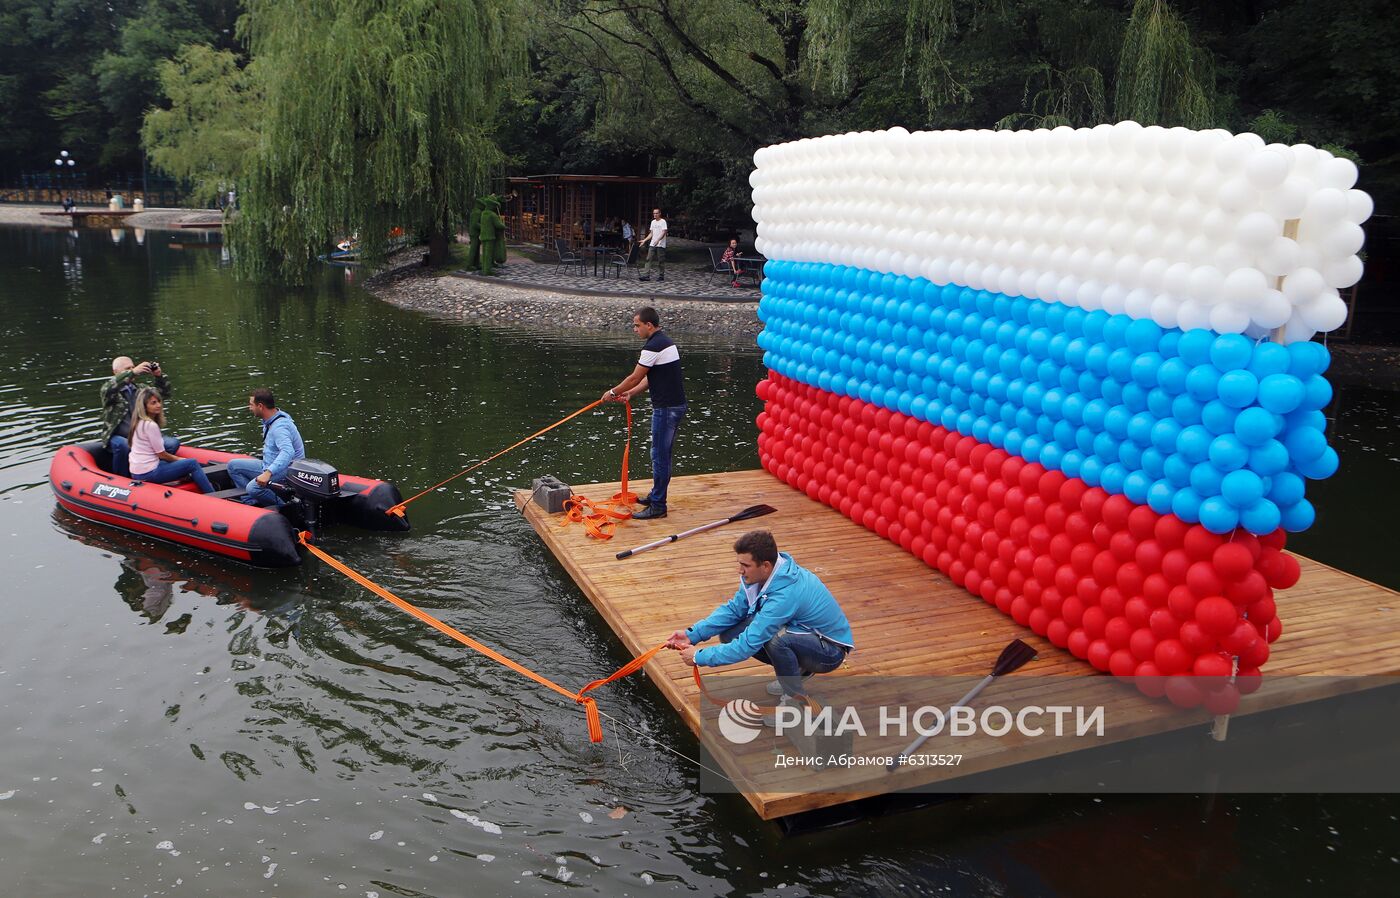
{"x": 316, "y": 495}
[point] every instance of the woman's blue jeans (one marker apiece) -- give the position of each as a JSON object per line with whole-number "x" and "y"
{"x": 121, "y": 452}
{"x": 167, "y": 471}
{"x": 664, "y": 421}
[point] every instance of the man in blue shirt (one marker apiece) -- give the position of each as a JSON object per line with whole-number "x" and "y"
{"x": 281, "y": 446}
{"x": 658, "y": 371}
{"x": 782, "y": 614}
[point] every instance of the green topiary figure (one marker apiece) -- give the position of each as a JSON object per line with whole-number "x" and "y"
{"x": 474, "y": 233}
{"x": 492, "y": 235}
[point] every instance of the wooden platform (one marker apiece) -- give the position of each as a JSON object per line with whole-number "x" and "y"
{"x": 911, "y": 621}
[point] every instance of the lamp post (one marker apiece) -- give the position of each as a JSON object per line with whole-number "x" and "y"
{"x": 65, "y": 163}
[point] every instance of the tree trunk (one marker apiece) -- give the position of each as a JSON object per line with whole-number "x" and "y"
{"x": 439, "y": 240}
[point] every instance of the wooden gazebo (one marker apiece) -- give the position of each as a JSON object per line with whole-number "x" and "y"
{"x": 584, "y": 210}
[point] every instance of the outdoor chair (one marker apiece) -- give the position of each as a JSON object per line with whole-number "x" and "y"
{"x": 718, "y": 267}
{"x": 566, "y": 256}
{"x": 619, "y": 261}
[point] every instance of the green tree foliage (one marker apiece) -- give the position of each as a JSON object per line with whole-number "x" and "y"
{"x": 378, "y": 115}
{"x": 1164, "y": 78}
{"x": 210, "y": 129}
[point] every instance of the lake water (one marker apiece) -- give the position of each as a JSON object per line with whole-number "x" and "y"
{"x": 172, "y": 723}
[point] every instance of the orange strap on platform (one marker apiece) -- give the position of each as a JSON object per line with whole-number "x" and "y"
{"x": 600, "y": 519}
{"x": 765, "y": 710}
{"x": 399, "y": 509}
{"x": 590, "y": 707}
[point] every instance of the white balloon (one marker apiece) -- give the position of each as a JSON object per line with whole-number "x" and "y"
{"x": 1230, "y": 155}
{"x": 1326, "y": 312}
{"x": 1302, "y": 285}
{"x": 1289, "y": 199}
{"x": 1266, "y": 170}
{"x": 1359, "y": 206}
{"x": 1279, "y": 257}
{"x": 1191, "y": 315}
{"x": 1296, "y": 331}
{"x": 1343, "y": 239}
{"x": 1228, "y": 318}
{"x": 1090, "y": 295}
{"x": 1176, "y": 280}
{"x": 1206, "y": 284}
{"x": 1337, "y": 172}
{"x": 1113, "y": 299}
{"x": 1272, "y": 309}
{"x": 1138, "y": 303}
{"x": 1151, "y": 272}
{"x": 1236, "y": 195}
{"x": 1257, "y": 230}
{"x": 1325, "y": 205}
{"x": 1244, "y": 285}
{"x": 1343, "y": 273}
{"x": 1164, "y": 310}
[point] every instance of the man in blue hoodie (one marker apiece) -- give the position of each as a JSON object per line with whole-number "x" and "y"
{"x": 782, "y": 614}
{"x": 281, "y": 446}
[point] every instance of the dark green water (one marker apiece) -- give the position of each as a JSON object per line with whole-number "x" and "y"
{"x": 175, "y": 724}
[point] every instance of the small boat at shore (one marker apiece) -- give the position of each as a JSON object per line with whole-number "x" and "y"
{"x": 218, "y": 522}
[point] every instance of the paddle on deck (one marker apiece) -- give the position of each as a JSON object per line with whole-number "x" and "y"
{"x": 753, "y": 511}
{"x": 1012, "y": 657}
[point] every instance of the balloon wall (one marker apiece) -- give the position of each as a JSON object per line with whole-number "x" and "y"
{"x": 1070, "y": 369}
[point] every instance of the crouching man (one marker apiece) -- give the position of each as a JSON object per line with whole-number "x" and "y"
{"x": 782, "y": 614}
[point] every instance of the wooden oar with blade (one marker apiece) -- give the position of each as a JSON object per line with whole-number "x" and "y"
{"x": 753, "y": 511}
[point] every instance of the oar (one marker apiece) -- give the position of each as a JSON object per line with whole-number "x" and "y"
{"x": 753, "y": 511}
{"x": 1012, "y": 657}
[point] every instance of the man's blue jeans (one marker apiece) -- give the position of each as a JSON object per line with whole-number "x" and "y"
{"x": 793, "y": 655}
{"x": 121, "y": 453}
{"x": 243, "y": 471}
{"x": 664, "y": 421}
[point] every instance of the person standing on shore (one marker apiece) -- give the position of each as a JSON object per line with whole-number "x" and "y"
{"x": 658, "y": 371}
{"x": 656, "y": 237}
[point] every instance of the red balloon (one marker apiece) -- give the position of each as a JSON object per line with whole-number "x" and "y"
{"x": 1170, "y": 531}
{"x": 1117, "y": 632}
{"x": 1122, "y": 663}
{"x": 1105, "y": 568}
{"x": 1072, "y": 610}
{"x": 1149, "y": 680}
{"x": 1200, "y": 543}
{"x": 1163, "y": 624}
{"x": 1143, "y": 644}
{"x": 1052, "y": 600}
{"x": 1274, "y": 630}
{"x": 1021, "y": 610}
{"x": 1039, "y": 620}
{"x": 1072, "y": 492}
{"x": 1181, "y": 602}
{"x": 1249, "y": 588}
{"x": 1149, "y": 556}
{"x": 1082, "y": 557}
{"x": 1130, "y": 579}
{"x": 1212, "y": 664}
{"x": 1255, "y": 655}
{"x": 1142, "y": 522}
{"x": 1116, "y": 510}
{"x": 1095, "y": 622}
{"x": 1274, "y": 540}
{"x": 1240, "y": 638}
{"x": 1183, "y": 692}
{"x": 1123, "y": 546}
{"x": 1136, "y": 611}
{"x": 1263, "y": 611}
{"x": 1091, "y": 504}
{"x": 1288, "y": 575}
{"x": 1078, "y": 643}
{"x": 1171, "y": 657}
{"x": 1004, "y": 598}
{"x": 1111, "y": 601}
{"x": 1203, "y": 580}
{"x": 1155, "y": 590}
{"x": 1175, "y": 564}
{"x": 1216, "y": 615}
{"x": 1248, "y": 680}
{"x": 1233, "y": 560}
{"x": 1195, "y": 638}
{"x": 1224, "y": 700}
{"x": 1099, "y": 653}
{"x": 1058, "y": 632}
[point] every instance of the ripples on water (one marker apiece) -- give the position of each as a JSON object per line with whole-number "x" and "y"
{"x": 177, "y": 724}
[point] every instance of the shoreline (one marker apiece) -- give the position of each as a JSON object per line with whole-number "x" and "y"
{"x": 438, "y": 292}
{"x": 153, "y": 219}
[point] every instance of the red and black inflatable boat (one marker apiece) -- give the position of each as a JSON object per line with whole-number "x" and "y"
{"x": 218, "y": 522}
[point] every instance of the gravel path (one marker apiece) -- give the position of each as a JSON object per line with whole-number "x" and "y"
{"x": 151, "y": 219}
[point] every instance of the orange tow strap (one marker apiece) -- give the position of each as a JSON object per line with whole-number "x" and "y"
{"x": 765, "y": 710}
{"x": 600, "y": 519}
{"x": 590, "y": 707}
{"x": 399, "y": 509}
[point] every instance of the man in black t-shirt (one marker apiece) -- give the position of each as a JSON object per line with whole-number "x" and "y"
{"x": 658, "y": 371}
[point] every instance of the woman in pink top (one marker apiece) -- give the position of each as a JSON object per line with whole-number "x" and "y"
{"x": 149, "y": 461}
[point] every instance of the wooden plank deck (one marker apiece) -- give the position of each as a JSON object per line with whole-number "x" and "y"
{"x": 909, "y": 621}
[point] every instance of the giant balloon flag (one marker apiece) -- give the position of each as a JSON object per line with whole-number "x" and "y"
{"x": 1071, "y": 369}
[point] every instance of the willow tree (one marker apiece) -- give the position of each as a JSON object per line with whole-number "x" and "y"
{"x": 1164, "y": 78}
{"x": 378, "y": 117}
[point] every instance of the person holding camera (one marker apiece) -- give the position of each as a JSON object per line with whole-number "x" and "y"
{"x": 118, "y": 401}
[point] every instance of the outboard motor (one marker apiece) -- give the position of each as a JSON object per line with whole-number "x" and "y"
{"x": 314, "y": 482}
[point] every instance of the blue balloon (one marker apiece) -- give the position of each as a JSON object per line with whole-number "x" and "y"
{"x": 1159, "y": 403}
{"x": 1281, "y": 393}
{"x": 1202, "y": 382}
{"x": 1072, "y": 409}
{"x": 1171, "y": 375}
{"x": 1238, "y": 389}
{"x": 1269, "y": 358}
{"x": 1218, "y": 417}
{"x": 1144, "y": 369}
{"x": 1268, "y": 459}
{"x": 1113, "y": 477}
{"x": 1307, "y": 359}
{"x": 1168, "y": 345}
{"x": 1286, "y": 488}
{"x": 1116, "y": 421}
{"x": 1299, "y": 516}
{"x": 1090, "y": 470}
{"x": 1140, "y": 428}
{"x": 1206, "y": 480}
{"x": 1106, "y": 447}
{"x": 1305, "y": 444}
{"x": 1051, "y": 455}
{"x": 1120, "y": 364}
{"x": 1115, "y": 331}
{"x": 1227, "y": 452}
{"x": 1129, "y": 456}
{"x": 1322, "y": 467}
{"x": 1195, "y": 346}
{"x": 1143, "y": 335}
{"x": 1164, "y": 434}
{"x": 1177, "y": 469}
{"x": 1152, "y": 463}
{"x": 1136, "y": 486}
{"x": 1242, "y": 488}
{"x": 1218, "y": 516}
{"x": 1317, "y": 392}
{"x": 1255, "y": 426}
{"x": 1261, "y": 517}
{"x": 1159, "y": 497}
{"x": 1072, "y": 462}
{"x": 1187, "y": 505}
{"x": 1096, "y": 359}
{"x": 1194, "y": 443}
{"x": 1231, "y": 352}
{"x": 1094, "y": 324}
